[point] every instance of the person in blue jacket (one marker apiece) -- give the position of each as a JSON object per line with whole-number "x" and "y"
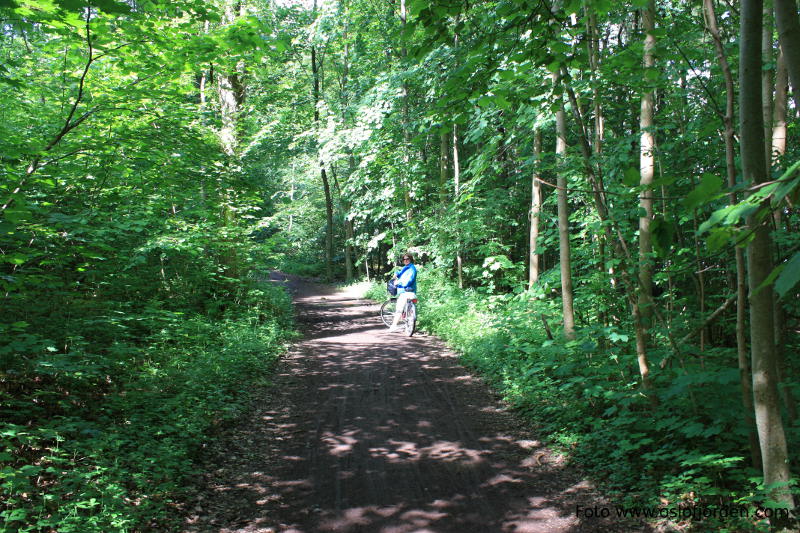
{"x": 406, "y": 287}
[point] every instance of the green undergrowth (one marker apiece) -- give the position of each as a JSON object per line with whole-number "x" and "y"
{"x": 687, "y": 451}
{"x": 103, "y": 436}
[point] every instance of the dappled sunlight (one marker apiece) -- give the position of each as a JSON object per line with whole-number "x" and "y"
{"x": 390, "y": 434}
{"x": 339, "y": 445}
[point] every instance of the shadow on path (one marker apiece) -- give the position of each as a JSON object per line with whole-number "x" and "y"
{"x": 370, "y": 431}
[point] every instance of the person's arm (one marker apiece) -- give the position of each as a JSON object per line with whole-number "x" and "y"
{"x": 399, "y": 277}
{"x": 412, "y": 277}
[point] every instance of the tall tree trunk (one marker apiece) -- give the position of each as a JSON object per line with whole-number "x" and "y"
{"x": 457, "y": 193}
{"x": 567, "y": 299}
{"x": 593, "y": 53}
{"x": 323, "y": 175}
{"x": 346, "y": 204}
{"x": 745, "y": 377}
{"x": 774, "y": 453}
{"x": 789, "y": 36}
{"x": 777, "y": 151}
{"x": 766, "y": 80}
{"x": 406, "y": 128}
{"x": 536, "y": 209}
{"x": 779, "y": 110}
{"x": 444, "y": 150}
{"x": 647, "y": 172}
{"x": 230, "y": 92}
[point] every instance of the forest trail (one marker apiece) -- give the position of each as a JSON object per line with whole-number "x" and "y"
{"x": 369, "y": 431}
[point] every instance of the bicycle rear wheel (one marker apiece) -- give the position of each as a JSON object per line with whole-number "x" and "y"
{"x": 387, "y": 311}
{"x": 411, "y": 318}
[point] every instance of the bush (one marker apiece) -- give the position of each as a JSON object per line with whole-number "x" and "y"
{"x": 111, "y": 434}
{"x": 585, "y": 395}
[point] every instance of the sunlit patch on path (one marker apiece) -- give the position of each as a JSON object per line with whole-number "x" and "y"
{"x": 368, "y": 431}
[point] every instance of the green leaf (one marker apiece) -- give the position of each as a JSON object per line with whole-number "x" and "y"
{"x": 785, "y": 185}
{"x": 15, "y": 515}
{"x": 719, "y": 238}
{"x": 663, "y": 233}
{"x": 789, "y": 276}
{"x": 502, "y": 102}
{"x": 710, "y": 185}
{"x": 651, "y": 74}
{"x": 632, "y": 177}
{"x": 507, "y": 75}
{"x": 111, "y": 7}
{"x": 15, "y": 258}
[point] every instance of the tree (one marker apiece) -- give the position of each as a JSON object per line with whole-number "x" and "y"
{"x": 774, "y": 453}
{"x": 316, "y": 63}
{"x": 647, "y": 171}
{"x": 563, "y": 221}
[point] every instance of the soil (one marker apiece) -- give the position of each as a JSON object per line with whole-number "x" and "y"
{"x": 364, "y": 430}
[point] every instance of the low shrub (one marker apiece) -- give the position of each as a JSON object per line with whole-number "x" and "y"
{"x": 109, "y": 436}
{"x": 688, "y": 449}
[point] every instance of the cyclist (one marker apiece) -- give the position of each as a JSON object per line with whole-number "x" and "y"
{"x": 406, "y": 287}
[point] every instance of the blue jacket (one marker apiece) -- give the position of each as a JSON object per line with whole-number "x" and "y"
{"x": 407, "y": 279}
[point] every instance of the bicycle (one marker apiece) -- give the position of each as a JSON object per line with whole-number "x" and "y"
{"x": 408, "y": 319}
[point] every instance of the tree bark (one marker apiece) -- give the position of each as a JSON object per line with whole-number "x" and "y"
{"x": 778, "y": 148}
{"x": 745, "y": 376}
{"x": 349, "y": 234}
{"x": 536, "y": 209}
{"x": 567, "y": 299}
{"x": 230, "y": 92}
{"x": 777, "y": 151}
{"x": 789, "y": 36}
{"x": 444, "y": 175}
{"x": 647, "y": 172}
{"x": 767, "y": 73}
{"x": 406, "y": 131}
{"x": 323, "y": 175}
{"x": 774, "y": 453}
{"x": 456, "y": 194}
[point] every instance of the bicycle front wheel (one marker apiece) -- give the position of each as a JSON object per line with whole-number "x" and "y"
{"x": 387, "y": 311}
{"x": 411, "y": 318}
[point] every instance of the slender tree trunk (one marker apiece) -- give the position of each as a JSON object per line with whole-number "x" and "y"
{"x": 772, "y": 439}
{"x": 406, "y": 131}
{"x": 230, "y": 93}
{"x": 444, "y": 175}
{"x": 620, "y": 245}
{"x": 767, "y": 73}
{"x": 647, "y": 172}
{"x": 349, "y": 234}
{"x": 593, "y": 44}
{"x": 779, "y": 110}
{"x": 593, "y": 53}
{"x": 745, "y": 377}
{"x": 457, "y": 193}
{"x": 789, "y": 36}
{"x": 323, "y": 175}
{"x": 536, "y": 209}
{"x": 563, "y": 224}
{"x": 778, "y": 150}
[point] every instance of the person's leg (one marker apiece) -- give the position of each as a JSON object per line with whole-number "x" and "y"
{"x": 402, "y": 298}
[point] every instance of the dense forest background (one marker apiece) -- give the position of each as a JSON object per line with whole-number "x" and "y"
{"x": 600, "y": 196}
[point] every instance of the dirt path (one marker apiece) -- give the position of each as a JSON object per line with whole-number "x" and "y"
{"x": 366, "y": 430}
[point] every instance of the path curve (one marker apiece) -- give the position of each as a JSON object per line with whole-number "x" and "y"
{"x": 369, "y": 431}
